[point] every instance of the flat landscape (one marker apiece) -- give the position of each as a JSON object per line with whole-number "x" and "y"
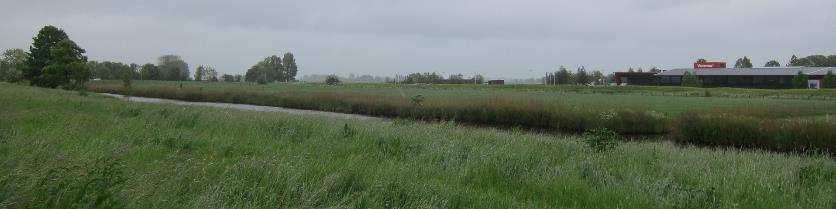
{"x": 69, "y": 149}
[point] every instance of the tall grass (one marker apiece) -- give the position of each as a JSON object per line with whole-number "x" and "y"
{"x": 62, "y": 150}
{"x": 725, "y": 129}
{"x": 750, "y": 127}
{"x": 493, "y": 111}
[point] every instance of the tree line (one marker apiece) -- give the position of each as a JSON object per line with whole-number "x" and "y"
{"x": 54, "y": 60}
{"x": 273, "y": 69}
{"x": 580, "y": 77}
{"x": 794, "y": 61}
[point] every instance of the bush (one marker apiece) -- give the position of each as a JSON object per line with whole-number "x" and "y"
{"x": 332, "y": 80}
{"x": 799, "y": 81}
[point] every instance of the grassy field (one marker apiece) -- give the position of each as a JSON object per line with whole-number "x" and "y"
{"x": 59, "y": 149}
{"x": 667, "y": 100}
{"x": 744, "y": 120}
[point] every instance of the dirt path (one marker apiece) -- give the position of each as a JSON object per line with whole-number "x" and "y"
{"x": 246, "y": 107}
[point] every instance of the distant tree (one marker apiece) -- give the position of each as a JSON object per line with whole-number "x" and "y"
{"x": 239, "y": 78}
{"x": 228, "y": 78}
{"x": 743, "y": 63}
{"x": 690, "y": 80}
{"x": 793, "y": 61}
{"x": 581, "y": 77}
{"x": 831, "y": 60}
{"x": 12, "y": 63}
{"x": 173, "y": 68}
{"x": 332, "y": 80}
{"x": 422, "y": 78}
{"x": 478, "y": 79}
{"x": 211, "y": 74}
{"x": 108, "y": 70}
{"x": 290, "y": 67}
{"x": 199, "y": 73}
{"x": 827, "y": 81}
{"x": 631, "y": 70}
{"x": 269, "y": 69}
{"x": 149, "y": 72}
{"x": 562, "y": 76}
{"x": 655, "y": 70}
{"x": 799, "y": 81}
{"x": 801, "y": 62}
{"x": 817, "y": 61}
{"x": 772, "y": 63}
{"x": 126, "y": 77}
{"x": 598, "y": 78}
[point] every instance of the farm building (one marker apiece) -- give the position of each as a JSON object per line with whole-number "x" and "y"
{"x": 496, "y": 82}
{"x": 635, "y": 78}
{"x": 772, "y": 77}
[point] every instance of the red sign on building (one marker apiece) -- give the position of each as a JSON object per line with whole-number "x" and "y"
{"x": 705, "y": 64}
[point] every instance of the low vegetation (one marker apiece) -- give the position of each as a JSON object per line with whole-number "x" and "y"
{"x": 62, "y": 150}
{"x": 624, "y": 114}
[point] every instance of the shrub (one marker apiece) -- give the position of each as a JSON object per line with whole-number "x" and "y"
{"x": 799, "y": 81}
{"x": 332, "y": 80}
{"x": 601, "y": 139}
{"x": 690, "y": 80}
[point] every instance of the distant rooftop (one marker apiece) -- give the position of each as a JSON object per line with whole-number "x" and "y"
{"x": 750, "y": 71}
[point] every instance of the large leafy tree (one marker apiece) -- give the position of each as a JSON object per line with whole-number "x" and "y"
{"x": 12, "y": 64}
{"x": 267, "y": 70}
{"x": 743, "y": 63}
{"x": 272, "y": 69}
{"x": 827, "y": 81}
{"x": 772, "y": 63}
{"x": 68, "y": 67}
{"x": 173, "y": 68}
{"x": 290, "y": 67}
{"x": 55, "y": 60}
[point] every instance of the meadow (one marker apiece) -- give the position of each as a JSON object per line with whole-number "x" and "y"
{"x": 64, "y": 149}
{"x": 783, "y": 120}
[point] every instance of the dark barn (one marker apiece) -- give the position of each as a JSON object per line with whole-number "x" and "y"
{"x": 636, "y": 78}
{"x": 496, "y": 82}
{"x": 777, "y": 77}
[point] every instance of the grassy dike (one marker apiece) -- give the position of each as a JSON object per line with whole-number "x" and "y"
{"x": 62, "y": 150}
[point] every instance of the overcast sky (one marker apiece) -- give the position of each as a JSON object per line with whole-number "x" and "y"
{"x": 517, "y": 39}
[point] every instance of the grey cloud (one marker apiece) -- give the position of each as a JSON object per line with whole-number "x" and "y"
{"x": 499, "y": 38}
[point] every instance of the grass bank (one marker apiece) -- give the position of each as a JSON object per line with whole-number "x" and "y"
{"x": 62, "y": 150}
{"x": 778, "y": 119}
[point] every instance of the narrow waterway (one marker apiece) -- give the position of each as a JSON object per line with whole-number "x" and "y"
{"x": 246, "y": 107}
